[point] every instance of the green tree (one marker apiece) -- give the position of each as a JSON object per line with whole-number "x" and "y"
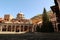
{"x": 45, "y": 17}
{"x": 46, "y": 25}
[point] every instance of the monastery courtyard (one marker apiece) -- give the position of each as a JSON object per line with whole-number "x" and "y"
{"x": 31, "y": 36}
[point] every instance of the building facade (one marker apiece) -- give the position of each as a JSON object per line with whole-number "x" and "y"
{"x": 56, "y": 10}
{"x": 18, "y": 24}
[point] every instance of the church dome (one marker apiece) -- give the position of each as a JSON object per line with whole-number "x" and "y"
{"x": 20, "y": 15}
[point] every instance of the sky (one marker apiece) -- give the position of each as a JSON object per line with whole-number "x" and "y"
{"x": 29, "y": 8}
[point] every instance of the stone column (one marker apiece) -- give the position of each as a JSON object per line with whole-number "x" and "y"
{"x": 6, "y": 27}
{"x": 15, "y": 29}
{"x": 32, "y": 28}
{"x": 57, "y": 27}
{"x": 35, "y": 27}
{"x": 54, "y": 27}
{"x": 1, "y": 28}
{"x": 11, "y": 28}
{"x": 23, "y": 28}
{"x": 20, "y": 28}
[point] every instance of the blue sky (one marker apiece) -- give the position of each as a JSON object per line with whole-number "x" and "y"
{"x": 30, "y": 8}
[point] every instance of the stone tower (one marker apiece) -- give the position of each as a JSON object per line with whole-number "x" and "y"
{"x": 8, "y": 17}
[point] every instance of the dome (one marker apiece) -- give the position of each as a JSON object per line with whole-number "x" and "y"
{"x": 20, "y": 12}
{"x": 20, "y": 16}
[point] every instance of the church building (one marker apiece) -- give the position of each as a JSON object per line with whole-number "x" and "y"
{"x": 18, "y": 24}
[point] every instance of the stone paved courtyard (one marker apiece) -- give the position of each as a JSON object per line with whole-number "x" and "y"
{"x": 31, "y": 36}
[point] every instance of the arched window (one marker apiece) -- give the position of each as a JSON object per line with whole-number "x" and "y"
{"x": 25, "y": 28}
{"x": 21, "y": 28}
{"x": 9, "y": 28}
{"x": 17, "y": 28}
{"x": 4, "y": 28}
{"x": 13, "y": 27}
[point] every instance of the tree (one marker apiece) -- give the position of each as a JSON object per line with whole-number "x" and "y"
{"x": 45, "y": 17}
{"x": 46, "y": 25}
